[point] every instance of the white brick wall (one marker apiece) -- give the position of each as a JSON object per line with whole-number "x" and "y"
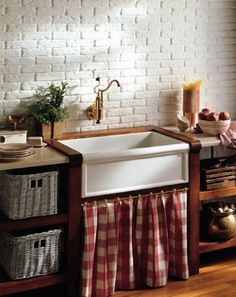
{"x": 150, "y": 46}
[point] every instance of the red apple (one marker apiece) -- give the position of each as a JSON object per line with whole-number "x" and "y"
{"x": 202, "y": 116}
{"x": 223, "y": 116}
{"x": 206, "y": 111}
{"x": 212, "y": 117}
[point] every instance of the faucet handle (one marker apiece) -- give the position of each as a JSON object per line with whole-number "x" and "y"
{"x": 96, "y": 91}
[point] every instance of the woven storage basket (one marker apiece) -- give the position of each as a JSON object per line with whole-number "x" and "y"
{"x": 30, "y": 255}
{"x": 28, "y": 195}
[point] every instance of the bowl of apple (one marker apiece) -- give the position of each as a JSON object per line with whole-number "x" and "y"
{"x": 213, "y": 123}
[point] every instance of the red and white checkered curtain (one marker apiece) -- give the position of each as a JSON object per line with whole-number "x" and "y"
{"x": 134, "y": 242}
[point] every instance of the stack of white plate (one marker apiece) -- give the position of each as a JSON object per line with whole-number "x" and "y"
{"x": 15, "y": 151}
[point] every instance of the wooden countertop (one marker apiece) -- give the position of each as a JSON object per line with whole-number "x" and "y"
{"x": 206, "y": 140}
{"x": 44, "y": 156}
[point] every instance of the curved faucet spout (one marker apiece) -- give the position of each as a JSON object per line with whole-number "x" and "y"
{"x": 109, "y": 85}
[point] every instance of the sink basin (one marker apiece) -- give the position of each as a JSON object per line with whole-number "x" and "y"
{"x": 127, "y": 162}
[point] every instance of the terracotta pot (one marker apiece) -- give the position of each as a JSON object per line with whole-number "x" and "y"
{"x": 47, "y": 133}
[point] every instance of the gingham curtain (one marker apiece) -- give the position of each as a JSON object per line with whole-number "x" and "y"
{"x": 134, "y": 242}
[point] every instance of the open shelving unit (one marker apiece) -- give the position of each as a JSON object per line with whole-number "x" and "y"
{"x": 204, "y": 246}
{"x": 68, "y": 218}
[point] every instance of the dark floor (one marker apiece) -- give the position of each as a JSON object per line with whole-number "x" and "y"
{"x": 58, "y": 291}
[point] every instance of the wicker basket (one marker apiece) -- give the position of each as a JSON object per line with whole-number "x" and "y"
{"x": 30, "y": 255}
{"x": 28, "y": 195}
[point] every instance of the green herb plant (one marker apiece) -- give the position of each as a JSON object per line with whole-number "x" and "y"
{"x": 48, "y": 109}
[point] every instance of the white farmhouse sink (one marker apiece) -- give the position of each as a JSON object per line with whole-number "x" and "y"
{"x": 127, "y": 162}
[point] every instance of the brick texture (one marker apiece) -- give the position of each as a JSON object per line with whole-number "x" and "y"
{"x": 150, "y": 46}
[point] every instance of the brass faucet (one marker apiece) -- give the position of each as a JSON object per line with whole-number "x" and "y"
{"x": 95, "y": 111}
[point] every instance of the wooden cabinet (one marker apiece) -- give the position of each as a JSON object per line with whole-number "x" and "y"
{"x": 69, "y": 163}
{"x": 68, "y": 218}
{"x": 198, "y": 245}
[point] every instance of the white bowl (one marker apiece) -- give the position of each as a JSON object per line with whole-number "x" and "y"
{"x": 214, "y": 127}
{"x": 182, "y": 123}
{"x": 182, "y": 126}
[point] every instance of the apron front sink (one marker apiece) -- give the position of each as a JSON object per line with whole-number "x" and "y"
{"x": 128, "y": 162}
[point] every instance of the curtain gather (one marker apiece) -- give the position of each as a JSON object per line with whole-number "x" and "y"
{"x": 134, "y": 242}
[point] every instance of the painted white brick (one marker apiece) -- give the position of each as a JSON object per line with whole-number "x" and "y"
{"x": 120, "y": 96}
{"x": 37, "y": 19}
{"x": 121, "y": 65}
{"x": 26, "y": 11}
{"x": 8, "y": 36}
{"x": 36, "y": 3}
{"x": 133, "y": 118}
{"x": 22, "y": 28}
{"x": 108, "y": 42}
{"x": 10, "y": 3}
{"x": 59, "y": 11}
{"x": 35, "y": 68}
{"x": 50, "y": 76}
{"x": 19, "y": 77}
{"x": 110, "y": 74}
{"x": 65, "y": 67}
{"x": 10, "y": 53}
{"x": 94, "y": 65}
{"x": 91, "y": 18}
{"x": 66, "y": 19}
{"x": 19, "y": 61}
{"x": 122, "y": 49}
{"x": 34, "y": 85}
{"x": 66, "y": 51}
{"x": 146, "y": 94}
{"x": 77, "y": 74}
{"x": 51, "y": 43}
{"x": 10, "y": 19}
{"x": 111, "y": 12}
{"x": 107, "y": 57}
{"x": 52, "y": 27}
{"x": 81, "y": 27}
{"x": 81, "y": 91}
{"x": 10, "y": 69}
{"x": 20, "y": 44}
{"x": 132, "y": 103}
{"x": 36, "y": 52}
{"x": 151, "y": 46}
{"x": 111, "y": 120}
{"x": 80, "y": 43}
{"x": 50, "y": 60}
{"x": 134, "y": 11}
{"x": 65, "y": 35}
{"x": 88, "y": 48}
{"x": 36, "y": 35}
{"x": 122, "y": 19}
{"x": 145, "y": 110}
{"x": 11, "y": 87}
{"x": 13, "y": 95}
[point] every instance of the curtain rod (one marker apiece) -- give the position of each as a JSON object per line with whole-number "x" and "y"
{"x": 133, "y": 197}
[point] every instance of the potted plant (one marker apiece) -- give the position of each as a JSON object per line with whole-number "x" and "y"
{"x": 49, "y": 109}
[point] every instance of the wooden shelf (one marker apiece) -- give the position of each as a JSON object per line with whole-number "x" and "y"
{"x": 217, "y": 194}
{"x": 7, "y": 225}
{"x": 205, "y": 247}
{"x": 17, "y": 286}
